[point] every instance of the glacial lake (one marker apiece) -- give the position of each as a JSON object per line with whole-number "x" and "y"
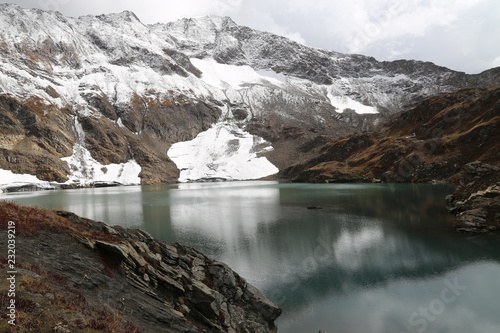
{"x": 376, "y": 258}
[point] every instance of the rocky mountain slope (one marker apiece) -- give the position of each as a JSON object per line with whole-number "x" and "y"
{"x": 104, "y": 98}
{"x": 78, "y": 275}
{"x": 453, "y": 138}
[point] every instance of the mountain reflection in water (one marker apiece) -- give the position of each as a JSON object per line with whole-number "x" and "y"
{"x": 375, "y": 258}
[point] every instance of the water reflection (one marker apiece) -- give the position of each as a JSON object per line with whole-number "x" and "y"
{"x": 368, "y": 260}
{"x": 409, "y": 305}
{"x": 114, "y": 205}
{"x": 226, "y": 214}
{"x": 217, "y": 218}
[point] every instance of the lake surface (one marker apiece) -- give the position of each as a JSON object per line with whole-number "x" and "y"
{"x": 376, "y": 258}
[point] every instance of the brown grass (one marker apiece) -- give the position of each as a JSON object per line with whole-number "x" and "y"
{"x": 67, "y": 306}
{"x": 156, "y": 104}
{"x": 30, "y": 221}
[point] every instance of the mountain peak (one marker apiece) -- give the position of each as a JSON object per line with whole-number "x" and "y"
{"x": 220, "y": 21}
{"x": 126, "y": 15}
{"x": 8, "y": 5}
{"x": 212, "y": 22}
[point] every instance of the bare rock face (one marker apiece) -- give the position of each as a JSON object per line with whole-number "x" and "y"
{"x": 127, "y": 275}
{"x": 480, "y": 212}
{"x": 201, "y": 289}
{"x": 476, "y": 202}
{"x": 34, "y": 137}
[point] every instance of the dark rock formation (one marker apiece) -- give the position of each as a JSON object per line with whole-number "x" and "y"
{"x": 125, "y": 276}
{"x": 476, "y": 202}
{"x": 34, "y": 137}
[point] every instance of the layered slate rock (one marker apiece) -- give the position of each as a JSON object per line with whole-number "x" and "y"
{"x": 476, "y": 202}
{"x": 120, "y": 277}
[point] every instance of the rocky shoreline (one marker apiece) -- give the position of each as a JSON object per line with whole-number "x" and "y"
{"x": 80, "y": 275}
{"x": 47, "y": 186}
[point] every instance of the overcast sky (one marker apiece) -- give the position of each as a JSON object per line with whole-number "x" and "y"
{"x": 460, "y": 34}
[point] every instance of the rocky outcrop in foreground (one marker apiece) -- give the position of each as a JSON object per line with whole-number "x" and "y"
{"x": 78, "y": 275}
{"x": 476, "y": 202}
{"x": 451, "y": 138}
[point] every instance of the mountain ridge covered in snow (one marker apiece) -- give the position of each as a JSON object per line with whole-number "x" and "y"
{"x": 100, "y": 93}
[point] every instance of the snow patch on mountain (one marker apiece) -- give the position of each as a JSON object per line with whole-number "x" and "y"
{"x": 9, "y": 179}
{"x": 341, "y": 103}
{"x": 85, "y": 170}
{"x": 272, "y": 74}
{"x": 222, "y": 75}
{"x": 230, "y": 78}
{"x": 223, "y": 151}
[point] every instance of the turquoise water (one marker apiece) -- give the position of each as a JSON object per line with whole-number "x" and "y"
{"x": 375, "y": 257}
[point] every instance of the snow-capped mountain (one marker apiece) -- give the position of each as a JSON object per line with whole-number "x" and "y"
{"x": 108, "y": 98}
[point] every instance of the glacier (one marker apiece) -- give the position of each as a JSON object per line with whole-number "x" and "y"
{"x": 223, "y": 151}
{"x": 85, "y": 170}
{"x": 9, "y": 179}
